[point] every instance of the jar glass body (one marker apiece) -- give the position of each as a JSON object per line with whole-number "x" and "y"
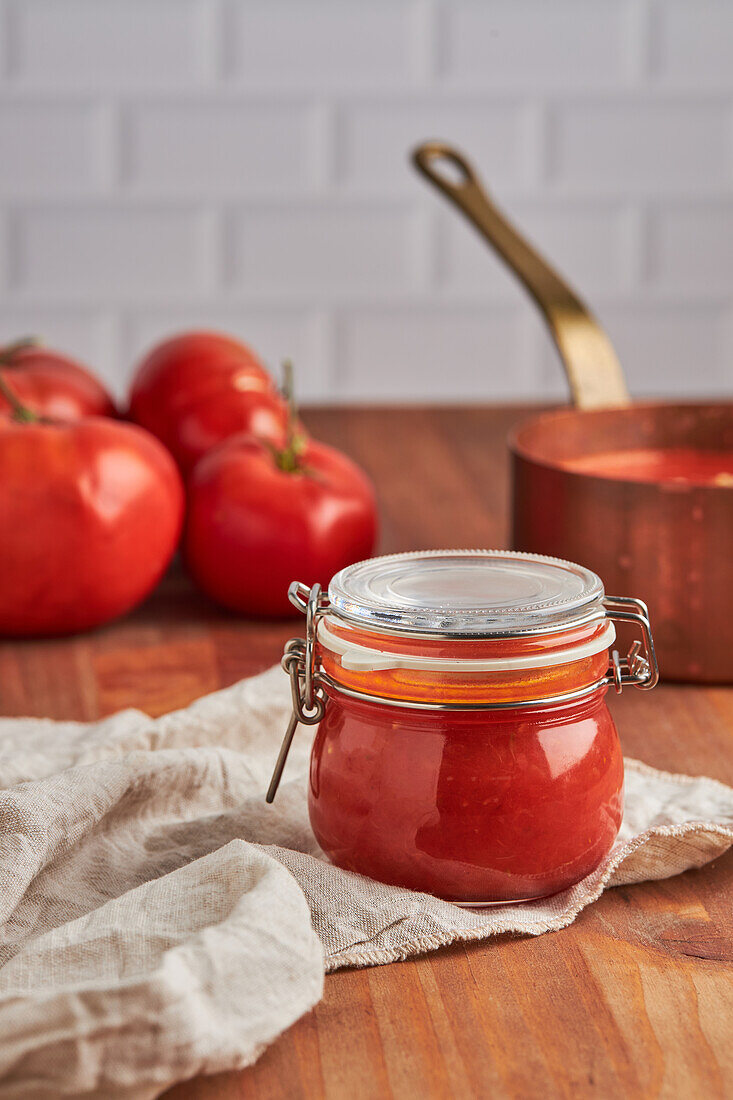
{"x": 474, "y": 806}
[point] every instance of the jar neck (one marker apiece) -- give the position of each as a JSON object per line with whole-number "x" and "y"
{"x": 538, "y": 712}
{"x": 477, "y": 671}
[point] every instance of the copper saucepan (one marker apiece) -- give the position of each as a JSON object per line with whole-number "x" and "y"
{"x": 669, "y": 541}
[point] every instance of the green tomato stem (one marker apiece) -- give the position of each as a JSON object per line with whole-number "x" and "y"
{"x": 19, "y": 412}
{"x": 9, "y": 351}
{"x": 288, "y": 459}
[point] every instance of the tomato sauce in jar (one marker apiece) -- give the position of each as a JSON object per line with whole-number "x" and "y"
{"x": 464, "y": 747}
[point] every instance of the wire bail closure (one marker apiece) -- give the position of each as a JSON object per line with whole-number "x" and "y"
{"x": 637, "y": 669}
{"x": 299, "y": 661}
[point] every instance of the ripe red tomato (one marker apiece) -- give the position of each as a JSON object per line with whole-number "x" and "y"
{"x": 253, "y": 527}
{"x": 197, "y": 389}
{"x": 51, "y": 384}
{"x": 90, "y": 515}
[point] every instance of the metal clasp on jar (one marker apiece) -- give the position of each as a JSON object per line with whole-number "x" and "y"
{"x": 639, "y": 667}
{"x": 299, "y": 661}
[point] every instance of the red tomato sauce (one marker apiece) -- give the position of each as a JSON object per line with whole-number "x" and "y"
{"x": 471, "y": 806}
{"x": 686, "y": 465}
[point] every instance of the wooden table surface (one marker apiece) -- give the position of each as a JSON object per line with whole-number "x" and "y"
{"x": 635, "y": 999}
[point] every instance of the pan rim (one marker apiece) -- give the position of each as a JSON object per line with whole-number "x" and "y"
{"x": 520, "y": 449}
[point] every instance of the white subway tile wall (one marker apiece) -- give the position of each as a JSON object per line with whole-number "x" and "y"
{"x": 243, "y": 165}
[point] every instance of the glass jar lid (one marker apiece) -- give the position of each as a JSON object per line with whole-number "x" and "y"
{"x": 466, "y": 593}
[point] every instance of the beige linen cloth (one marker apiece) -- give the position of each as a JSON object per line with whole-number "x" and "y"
{"x": 158, "y": 920}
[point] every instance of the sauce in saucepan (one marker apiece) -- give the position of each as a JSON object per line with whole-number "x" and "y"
{"x": 685, "y": 465}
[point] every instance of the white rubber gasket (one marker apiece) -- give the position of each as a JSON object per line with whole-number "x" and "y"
{"x": 360, "y": 658}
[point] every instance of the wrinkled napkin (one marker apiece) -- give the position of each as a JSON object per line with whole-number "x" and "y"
{"x": 158, "y": 920}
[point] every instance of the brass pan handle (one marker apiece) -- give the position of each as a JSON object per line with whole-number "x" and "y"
{"x": 591, "y": 365}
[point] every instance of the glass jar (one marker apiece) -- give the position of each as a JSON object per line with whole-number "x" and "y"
{"x": 464, "y": 746}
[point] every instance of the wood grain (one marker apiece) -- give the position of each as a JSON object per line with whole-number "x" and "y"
{"x": 635, "y": 999}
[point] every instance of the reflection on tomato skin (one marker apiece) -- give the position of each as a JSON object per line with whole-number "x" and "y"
{"x": 469, "y": 806}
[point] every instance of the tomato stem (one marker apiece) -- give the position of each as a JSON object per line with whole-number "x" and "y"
{"x": 288, "y": 459}
{"x": 18, "y": 410}
{"x": 9, "y": 351}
